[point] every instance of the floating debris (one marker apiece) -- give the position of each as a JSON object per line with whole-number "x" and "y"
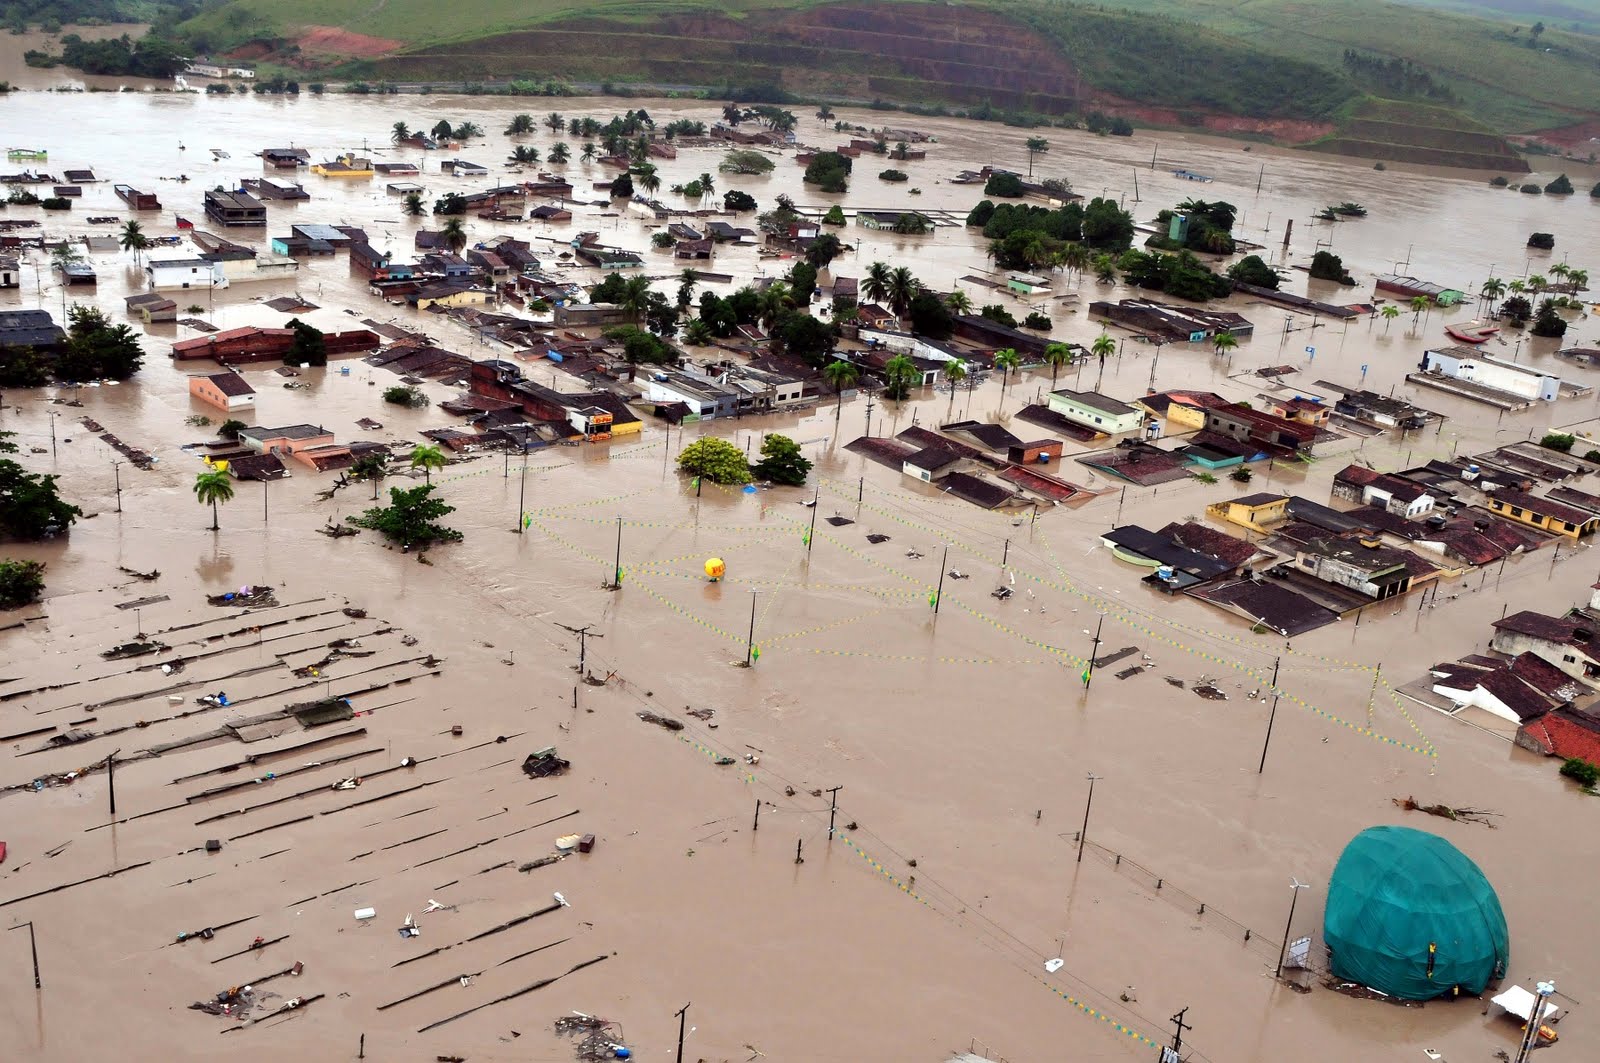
{"x": 544, "y": 763}
{"x": 1209, "y": 690}
{"x": 1468, "y": 815}
{"x": 246, "y": 596}
{"x": 134, "y": 649}
{"x": 660, "y": 721}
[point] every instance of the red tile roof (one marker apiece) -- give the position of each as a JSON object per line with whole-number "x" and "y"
{"x": 1566, "y": 733}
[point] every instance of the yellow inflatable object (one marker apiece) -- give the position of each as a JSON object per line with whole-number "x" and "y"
{"x": 715, "y": 568}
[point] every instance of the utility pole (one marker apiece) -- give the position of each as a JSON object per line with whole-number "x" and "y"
{"x": 116, "y": 470}
{"x": 1005, "y": 553}
{"x": 33, "y": 946}
{"x": 1120, "y": 499}
{"x": 1530, "y": 1033}
{"x": 750, "y": 640}
{"x": 111, "y": 780}
{"x": 522, "y": 490}
{"x": 683, "y": 1013}
{"x": 53, "y": 428}
{"x": 584, "y": 635}
{"x": 833, "y": 807}
{"x": 1271, "y": 716}
{"x": 1083, "y": 834}
{"x": 616, "y": 571}
{"x": 1295, "y": 886}
{"x": 1177, "y": 1036}
{"x": 1088, "y": 673}
{"x": 815, "y": 501}
{"x": 939, "y": 593}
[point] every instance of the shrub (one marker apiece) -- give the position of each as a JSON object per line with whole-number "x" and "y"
{"x": 1558, "y": 441}
{"x": 1582, "y": 772}
{"x": 893, "y": 175}
{"x": 1241, "y": 475}
{"x": 1252, "y": 269}
{"x": 231, "y": 428}
{"x": 1592, "y": 455}
{"x": 835, "y": 216}
{"x": 663, "y": 240}
{"x": 736, "y": 201}
{"x": 782, "y": 462}
{"x": 20, "y": 583}
{"x": 1206, "y": 478}
{"x": 402, "y": 395}
{"x": 56, "y": 203}
{"x": 1531, "y": 190}
{"x": 1543, "y": 241}
{"x": 998, "y": 314}
{"x": 1594, "y": 193}
{"x": 829, "y": 171}
{"x": 1561, "y": 186}
{"x": 1547, "y": 322}
{"x": 1499, "y": 182}
{"x": 1037, "y": 321}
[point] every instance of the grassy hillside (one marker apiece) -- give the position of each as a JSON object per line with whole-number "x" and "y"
{"x": 1265, "y": 59}
{"x": 1487, "y": 63}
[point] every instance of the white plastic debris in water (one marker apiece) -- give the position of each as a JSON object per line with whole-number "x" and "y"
{"x": 561, "y": 900}
{"x": 366, "y": 913}
{"x": 1054, "y": 965}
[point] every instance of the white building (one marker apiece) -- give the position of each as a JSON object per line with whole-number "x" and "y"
{"x": 1464, "y": 363}
{"x": 205, "y": 68}
{"x": 176, "y": 273}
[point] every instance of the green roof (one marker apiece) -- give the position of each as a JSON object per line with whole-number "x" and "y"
{"x": 1409, "y": 915}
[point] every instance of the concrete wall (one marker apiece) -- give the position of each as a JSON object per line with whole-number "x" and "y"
{"x": 1570, "y": 659}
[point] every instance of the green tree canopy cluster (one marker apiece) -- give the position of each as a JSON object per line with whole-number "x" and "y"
{"x": 1327, "y": 266}
{"x": 1181, "y": 275}
{"x": 149, "y": 57}
{"x": 1251, "y": 269}
{"x": 781, "y": 461}
{"x": 829, "y": 171}
{"x": 411, "y": 518}
{"x": 1003, "y": 184}
{"x": 96, "y": 349}
{"x": 21, "y": 583}
{"x": 30, "y": 505}
{"x": 1210, "y": 227}
{"x": 716, "y": 460}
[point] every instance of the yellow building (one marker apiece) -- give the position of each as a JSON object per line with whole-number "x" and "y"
{"x": 1542, "y": 513}
{"x": 1186, "y": 409}
{"x": 1258, "y": 512}
{"x": 346, "y": 165}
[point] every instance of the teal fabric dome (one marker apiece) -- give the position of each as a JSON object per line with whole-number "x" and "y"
{"x": 1409, "y": 915}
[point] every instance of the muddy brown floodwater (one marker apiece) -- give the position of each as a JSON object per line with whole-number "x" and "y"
{"x": 960, "y": 740}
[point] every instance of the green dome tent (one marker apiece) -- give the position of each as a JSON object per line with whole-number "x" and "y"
{"x": 1410, "y": 916}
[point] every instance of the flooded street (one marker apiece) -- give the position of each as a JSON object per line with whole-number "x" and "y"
{"x": 960, "y": 740}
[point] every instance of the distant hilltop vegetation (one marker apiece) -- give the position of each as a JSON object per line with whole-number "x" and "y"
{"x": 1266, "y": 68}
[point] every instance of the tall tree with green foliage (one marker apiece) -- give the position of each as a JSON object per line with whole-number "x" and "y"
{"x": 96, "y": 349}
{"x": 841, "y": 376}
{"x": 211, "y": 488}
{"x": 21, "y": 583}
{"x": 411, "y": 518}
{"x": 1006, "y": 360}
{"x": 900, "y": 375}
{"x": 31, "y": 507}
{"x": 781, "y": 461}
{"x": 954, "y": 372}
{"x": 134, "y": 239}
{"x": 454, "y": 235}
{"x": 1035, "y": 146}
{"x": 309, "y": 346}
{"x": 427, "y": 457}
{"x": 1057, "y": 355}
{"x": 716, "y": 460}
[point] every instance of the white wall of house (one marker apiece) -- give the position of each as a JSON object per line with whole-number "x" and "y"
{"x": 171, "y": 276}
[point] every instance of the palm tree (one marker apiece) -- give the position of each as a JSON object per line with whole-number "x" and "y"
{"x": 427, "y": 458}
{"x": 1537, "y": 283}
{"x": 840, "y": 375}
{"x": 875, "y": 285}
{"x": 1077, "y": 257}
{"x": 1389, "y": 312}
{"x": 1224, "y": 341}
{"x": 1419, "y": 303}
{"x": 635, "y": 297}
{"x": 1057, "y": 355}
{"x": 134, "y": 239}
{"x": 1492, "y": 289}
{"x": 708, "y": 184}
{"x": 442, "y": 130}
{"x": 400, "y": 131}
{"x": 776, "y": 298}
{"x": 372, "y": 467}
{"x": 521, "y": 125}
{"x": 1105, "y": 268}
{"x": 1103, "y": 347}
{"x": 1561, "y": 271}
{"x": 955, "y": 371}
{"x": 899, "y": 374}
{"x": 1516, "y": 287}
{"x": 213, "y": 487}
{"x": 588, "y": 153}
{"x": 560, "y": 153}
{"x": 414, "y": 206}
{"x": 468, "y": 129}
{"x": 903, "y": 287}
{"x": 454, "y": 235}
{"x": 697, "y": 333}
{"x": 1579, "y": 279}
{"x": 958, "y": 302}
{"x": 554, "y": 121}
{"x": 687, "y": 281}
{"x": 648, "y": 179}
{"x": 524, "y": 154}
{"x": 1005, "y": 361}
